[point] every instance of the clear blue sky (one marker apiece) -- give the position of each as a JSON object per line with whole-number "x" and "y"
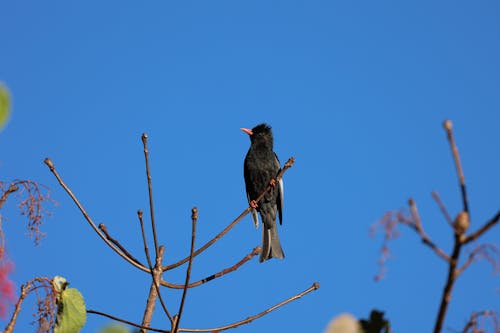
{"x": 356, "y": 91}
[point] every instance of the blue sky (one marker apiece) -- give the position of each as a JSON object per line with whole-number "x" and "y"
{"x": 356, "y": 91}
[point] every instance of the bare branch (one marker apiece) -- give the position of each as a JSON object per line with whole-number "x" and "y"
{"x": 104, "y": 229}
{"x": 245, "y": 259}
{"x": 458, "y": 165}
{"x": 146, "y": 328}
{"x": 417, "y": 226}
{"x": 194, "y": 219}
{"x": 442, "y": 207}
{"x": 475, "y": 235}
{"x": 24, "y": 291}
{"x": 155, "y": 274}
{"x": 485, "y": 251}
{"x": 473, "y": 326}
{"x": 52, "y": 168}
{"x": 11, "y": 189}
{"x": 314, "y": 286}
{"x": 150, "y": 189}
{"x": 287, "y": 165}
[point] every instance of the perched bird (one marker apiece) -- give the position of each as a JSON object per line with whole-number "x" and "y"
{"x": 260, "y": 168}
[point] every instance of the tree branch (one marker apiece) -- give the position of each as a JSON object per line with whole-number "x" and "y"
{"x": 245, "y": 259}
{"x": 52, "y": 168}
{"x": 448, "y": 126}
{"x": 494, "y": 220}
{"x": 442, "y": 207}
{"x": 150, "y": 190}
{"x": 314, "y": 286}
{"x": 11, "y": 189}
{"x": 194, "y": 219}
{"x": 104, "y": 229}
{"x": 146, "y": 328}
{"x": 155, "y": 274}
{"x": 287, "y": 165}
{"x": 24, "y": 292}
{"x": 417, "y": 226}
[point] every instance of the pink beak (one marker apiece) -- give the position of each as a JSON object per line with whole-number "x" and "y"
{"x": 247, "y": 131}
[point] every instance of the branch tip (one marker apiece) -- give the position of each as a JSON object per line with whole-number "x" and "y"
{"x": 448, "y": 125}
{"x": 49, "y": 163}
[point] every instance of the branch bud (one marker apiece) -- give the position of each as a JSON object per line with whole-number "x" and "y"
{"x": 461, "y": 223}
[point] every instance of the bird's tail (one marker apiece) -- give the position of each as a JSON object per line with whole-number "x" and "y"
{"x": 271, "y": 246}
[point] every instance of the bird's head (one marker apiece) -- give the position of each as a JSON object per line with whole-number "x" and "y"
{"x": 260, "y": 134}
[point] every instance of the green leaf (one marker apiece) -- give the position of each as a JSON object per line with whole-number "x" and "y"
{"x": 4, "y": 105}
{"x": 115, "y": 329}
{"x": 71, "y": 312}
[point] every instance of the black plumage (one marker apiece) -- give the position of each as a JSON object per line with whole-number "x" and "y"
{"x": 260, "y": 168}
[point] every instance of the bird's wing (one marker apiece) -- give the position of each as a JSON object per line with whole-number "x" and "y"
{"x": 281, "y": 192}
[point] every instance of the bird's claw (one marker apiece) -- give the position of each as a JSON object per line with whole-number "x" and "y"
{"x": 272, "y": 182}
{"x": 253, "y": 204}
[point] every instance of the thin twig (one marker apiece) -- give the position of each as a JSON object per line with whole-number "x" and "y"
{"x": 456, "y": 157}
{"x": 225, "y": 271}
{"x": 458, "y": 238}
{"x": 287, "y": 165}
{"x": 150, "y": 265}
{"x": 12, "y": 188}
{"x": 150, "y": 189}
{"x": 417, "y": 226}
{"x": 194, "y": 219}
{"x": 442, "y": 207}
{"x": 314, "y": 286}
{"x": 104, "y": 229}
{"x": 473, "y": 324}
{"x": 24, "y": 291}
{"x": 475, "y": 235}
{"x": 126, "y": 321}
{"x": 52, "y": 168}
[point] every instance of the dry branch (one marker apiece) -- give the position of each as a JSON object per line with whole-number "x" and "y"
{"x": 52, "y": 168}
{"x": 249, "y": 256}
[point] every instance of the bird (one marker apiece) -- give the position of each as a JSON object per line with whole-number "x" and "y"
{"x": 260, "y": 168}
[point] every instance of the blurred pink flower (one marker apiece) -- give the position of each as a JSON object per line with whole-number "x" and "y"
{"x": 7, "y": 296}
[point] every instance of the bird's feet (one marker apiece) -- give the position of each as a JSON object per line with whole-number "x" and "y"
{"x": 272, "y": 182}
{"x": 253, "y": 204}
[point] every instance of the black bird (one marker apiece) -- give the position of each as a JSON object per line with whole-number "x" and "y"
{"x": 260, "y": 168}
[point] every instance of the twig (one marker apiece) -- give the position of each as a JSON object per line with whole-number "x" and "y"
{"x": 475, "y": 235}
{"x": 458, "y": 238}
{"x": 442, "y": 207}
{"x": 52, "y": 168}
{"x": 12, "y": 188}
{"x": 287, "y": 165}
{"x": 245, "y": 259}
{"x": 314, "y": 286}
{"x": 417, "y": 226}
{"x": 486, "y": 251}
{"x": 104, "y": 229}
{"x": 194, "y": 219}
{"x": 126, "y": 321}
{"x": 150, "y": 189}
{"x": 456, "y": 157}
{"x": 24, "y": 291}
{"x": 473, "y": 324}
{"x": 156, "y": 276}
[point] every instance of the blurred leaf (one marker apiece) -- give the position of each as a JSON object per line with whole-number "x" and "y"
{"x": 71, "y": 312}
{"x": 376, "y": 323}
{"x": 114, "y": 328}
{"x": 4, "y": 105}
{"x": 343, "y": 323}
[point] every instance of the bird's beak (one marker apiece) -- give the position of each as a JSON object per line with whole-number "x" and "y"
{"x": 247, "y": 131}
